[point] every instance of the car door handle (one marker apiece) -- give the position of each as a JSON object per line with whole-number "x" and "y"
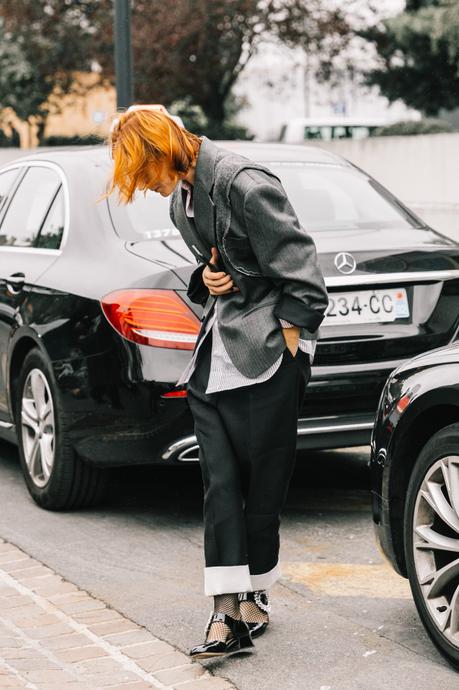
{"x": 15, "y": 282}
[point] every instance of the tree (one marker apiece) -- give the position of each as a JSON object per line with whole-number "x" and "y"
{"x": 195, "y": 50}
{"x": 419, "y": 56}
{"x": 187, "y": 50}
{"x": 42, "y": 43}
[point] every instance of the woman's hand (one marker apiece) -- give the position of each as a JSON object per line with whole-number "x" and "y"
{"x": 292, "y": 336}
{"x": 217, "y": 283}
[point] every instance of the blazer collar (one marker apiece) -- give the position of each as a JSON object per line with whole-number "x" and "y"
{"x": 205, "y": 164}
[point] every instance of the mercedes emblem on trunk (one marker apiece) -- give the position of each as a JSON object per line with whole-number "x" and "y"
{"x": 345, "y": 262}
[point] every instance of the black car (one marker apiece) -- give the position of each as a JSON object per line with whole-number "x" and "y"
{"x": 96, "y": 327}
{"x": 415, "y": 487}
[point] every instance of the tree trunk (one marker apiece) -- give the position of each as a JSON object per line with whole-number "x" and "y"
{"x": 214, "y": 109}
{"x": 41, "y": 124}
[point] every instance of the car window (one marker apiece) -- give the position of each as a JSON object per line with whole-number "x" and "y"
{"x": 28, "y": 207}
{"x": 325, "y": 197}
{"x": 52, "y": 229}
{"x": 147, "y": 217}
{"x": 6, "y": 184}
{"x": 332, "y": 197}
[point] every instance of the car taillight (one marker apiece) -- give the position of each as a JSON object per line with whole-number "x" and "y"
{"x": 175, "y": 394}
{"x": 159, "y": 318}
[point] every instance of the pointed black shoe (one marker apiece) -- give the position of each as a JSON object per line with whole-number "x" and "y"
{"x": 262, "y": 601}
{"x": 239, "y": 639}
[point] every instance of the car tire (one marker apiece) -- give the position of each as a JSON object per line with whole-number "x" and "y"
{"x": 55, "y": 477}
{"x": 431, "y": 521}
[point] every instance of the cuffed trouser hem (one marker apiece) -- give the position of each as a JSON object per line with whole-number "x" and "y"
{"x": 226, "y": 579}
{"x": 237, "y": 578}
{"x": 265, "y": 580}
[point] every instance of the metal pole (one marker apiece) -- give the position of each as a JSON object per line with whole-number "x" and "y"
{"x": 307, "y": 85}
{"x": 123, "y": 54}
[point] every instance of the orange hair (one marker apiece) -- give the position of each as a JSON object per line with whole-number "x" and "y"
{"x": 145, "y": 140}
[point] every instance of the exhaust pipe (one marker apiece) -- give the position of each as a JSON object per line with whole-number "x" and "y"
{"x": 184, "y": 450}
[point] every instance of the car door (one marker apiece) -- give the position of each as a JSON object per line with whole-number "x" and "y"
{"x": 25, "y": 253}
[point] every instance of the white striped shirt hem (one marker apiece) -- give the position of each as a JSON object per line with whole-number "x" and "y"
{"x": 223, "y": 374}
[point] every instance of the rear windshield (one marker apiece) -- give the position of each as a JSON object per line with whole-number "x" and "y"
{"x": 325, "y": 197}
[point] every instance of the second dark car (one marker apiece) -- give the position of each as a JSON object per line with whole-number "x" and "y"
{"x": 415, "y": 487}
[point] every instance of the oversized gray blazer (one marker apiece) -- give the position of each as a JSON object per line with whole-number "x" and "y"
{"x": 241, "y": 208}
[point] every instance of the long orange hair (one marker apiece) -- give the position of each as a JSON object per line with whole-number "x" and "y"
{"x": 140, "y": 144}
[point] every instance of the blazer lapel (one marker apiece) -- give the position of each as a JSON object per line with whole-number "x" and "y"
{"x": 204, "y": 212}
{"x": 188, "y": 229}
{"x": 199, "y": 233}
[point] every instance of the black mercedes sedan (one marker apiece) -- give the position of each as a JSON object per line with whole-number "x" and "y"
{"x": 96, "y": 327}
{"x": 415, "y": 487}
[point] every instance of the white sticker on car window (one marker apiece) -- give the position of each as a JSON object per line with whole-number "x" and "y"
{"x": 162, "y": 234}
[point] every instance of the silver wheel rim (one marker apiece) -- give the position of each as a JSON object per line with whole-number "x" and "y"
{"x": 436, "y": 545}
{"x": 37, "y": 427}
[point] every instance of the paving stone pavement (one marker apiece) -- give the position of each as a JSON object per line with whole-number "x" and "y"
{"x": 55, "y": 636}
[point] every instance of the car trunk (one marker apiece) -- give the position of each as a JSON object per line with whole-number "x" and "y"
{"x": 420, "y": 262}
{"x": 418, "y": 265}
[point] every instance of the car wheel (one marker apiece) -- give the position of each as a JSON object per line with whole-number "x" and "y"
{"x": 432, "y": 539}
{"x": 56, "y": 478}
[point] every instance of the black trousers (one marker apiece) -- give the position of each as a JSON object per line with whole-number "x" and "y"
{"x": 247, "y": 448}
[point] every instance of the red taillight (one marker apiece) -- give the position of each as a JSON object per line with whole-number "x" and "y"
{"x": 152, "y": 317}
{"x": 175, "y": 394}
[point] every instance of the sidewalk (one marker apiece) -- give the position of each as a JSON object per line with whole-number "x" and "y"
{"x": 55, "y": 636}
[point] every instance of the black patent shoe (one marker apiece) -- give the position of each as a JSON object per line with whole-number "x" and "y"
{"x": 239, "y": 639}
{"x": 260, "y": 598}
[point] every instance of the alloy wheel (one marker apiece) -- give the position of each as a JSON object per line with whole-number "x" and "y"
{"x": 38, "y": 427}
{"x": 436, "y": 545}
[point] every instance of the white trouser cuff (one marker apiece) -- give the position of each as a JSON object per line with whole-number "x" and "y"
{"x": 227, "y": 579}
{"x": 265, "y": 580}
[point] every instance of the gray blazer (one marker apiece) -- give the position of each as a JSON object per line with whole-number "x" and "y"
{"x": 241, "y": 208}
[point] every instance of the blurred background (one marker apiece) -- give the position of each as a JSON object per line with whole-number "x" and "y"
{"x": 378, "y": 82}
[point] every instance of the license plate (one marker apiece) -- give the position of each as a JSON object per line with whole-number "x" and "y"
{"x": 367, "y": 306}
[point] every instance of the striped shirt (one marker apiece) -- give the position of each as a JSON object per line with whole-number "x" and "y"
{"x": 223, "y": 374}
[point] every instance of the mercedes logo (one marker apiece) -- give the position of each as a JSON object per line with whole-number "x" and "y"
{"x": 345, "y": 262}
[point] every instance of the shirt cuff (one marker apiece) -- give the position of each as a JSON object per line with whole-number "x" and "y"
{"x": 286, "y": 324}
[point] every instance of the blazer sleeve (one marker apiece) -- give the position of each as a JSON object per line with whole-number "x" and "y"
{"x": 286, "y": 253}
{"x": 197, "y": 291}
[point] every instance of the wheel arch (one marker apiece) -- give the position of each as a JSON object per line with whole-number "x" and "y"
{"x": 407, "y": 443}
{"x": 20, "y": 349}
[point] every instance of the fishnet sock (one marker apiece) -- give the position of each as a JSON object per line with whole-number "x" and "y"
{"x": 223, "y": 603}
{"x": 251, "y": 613}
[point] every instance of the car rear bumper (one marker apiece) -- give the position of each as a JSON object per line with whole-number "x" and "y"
{"x": 318, "y": 432}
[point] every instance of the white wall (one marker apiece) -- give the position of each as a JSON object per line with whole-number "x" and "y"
{"x": 422, "y": 170}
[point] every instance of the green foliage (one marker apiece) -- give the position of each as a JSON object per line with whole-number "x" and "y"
{"x": 41, "y": 44}
{"x": 419, "y": 4}
{"x": 75, "y": 140}
{"x": 7, "y": 141}
{"x": 198, "y": 49}
{"x": 419, "y": 56}
{"x": 196, "y": 121}
{"x": 181, "y": 49}
{"x": 409, "y": 127}
{"x": 20, "y": 85}
{"x": 226, "y": 130}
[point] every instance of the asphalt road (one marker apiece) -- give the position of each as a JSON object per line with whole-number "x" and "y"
{"x": 341, "y": 619}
